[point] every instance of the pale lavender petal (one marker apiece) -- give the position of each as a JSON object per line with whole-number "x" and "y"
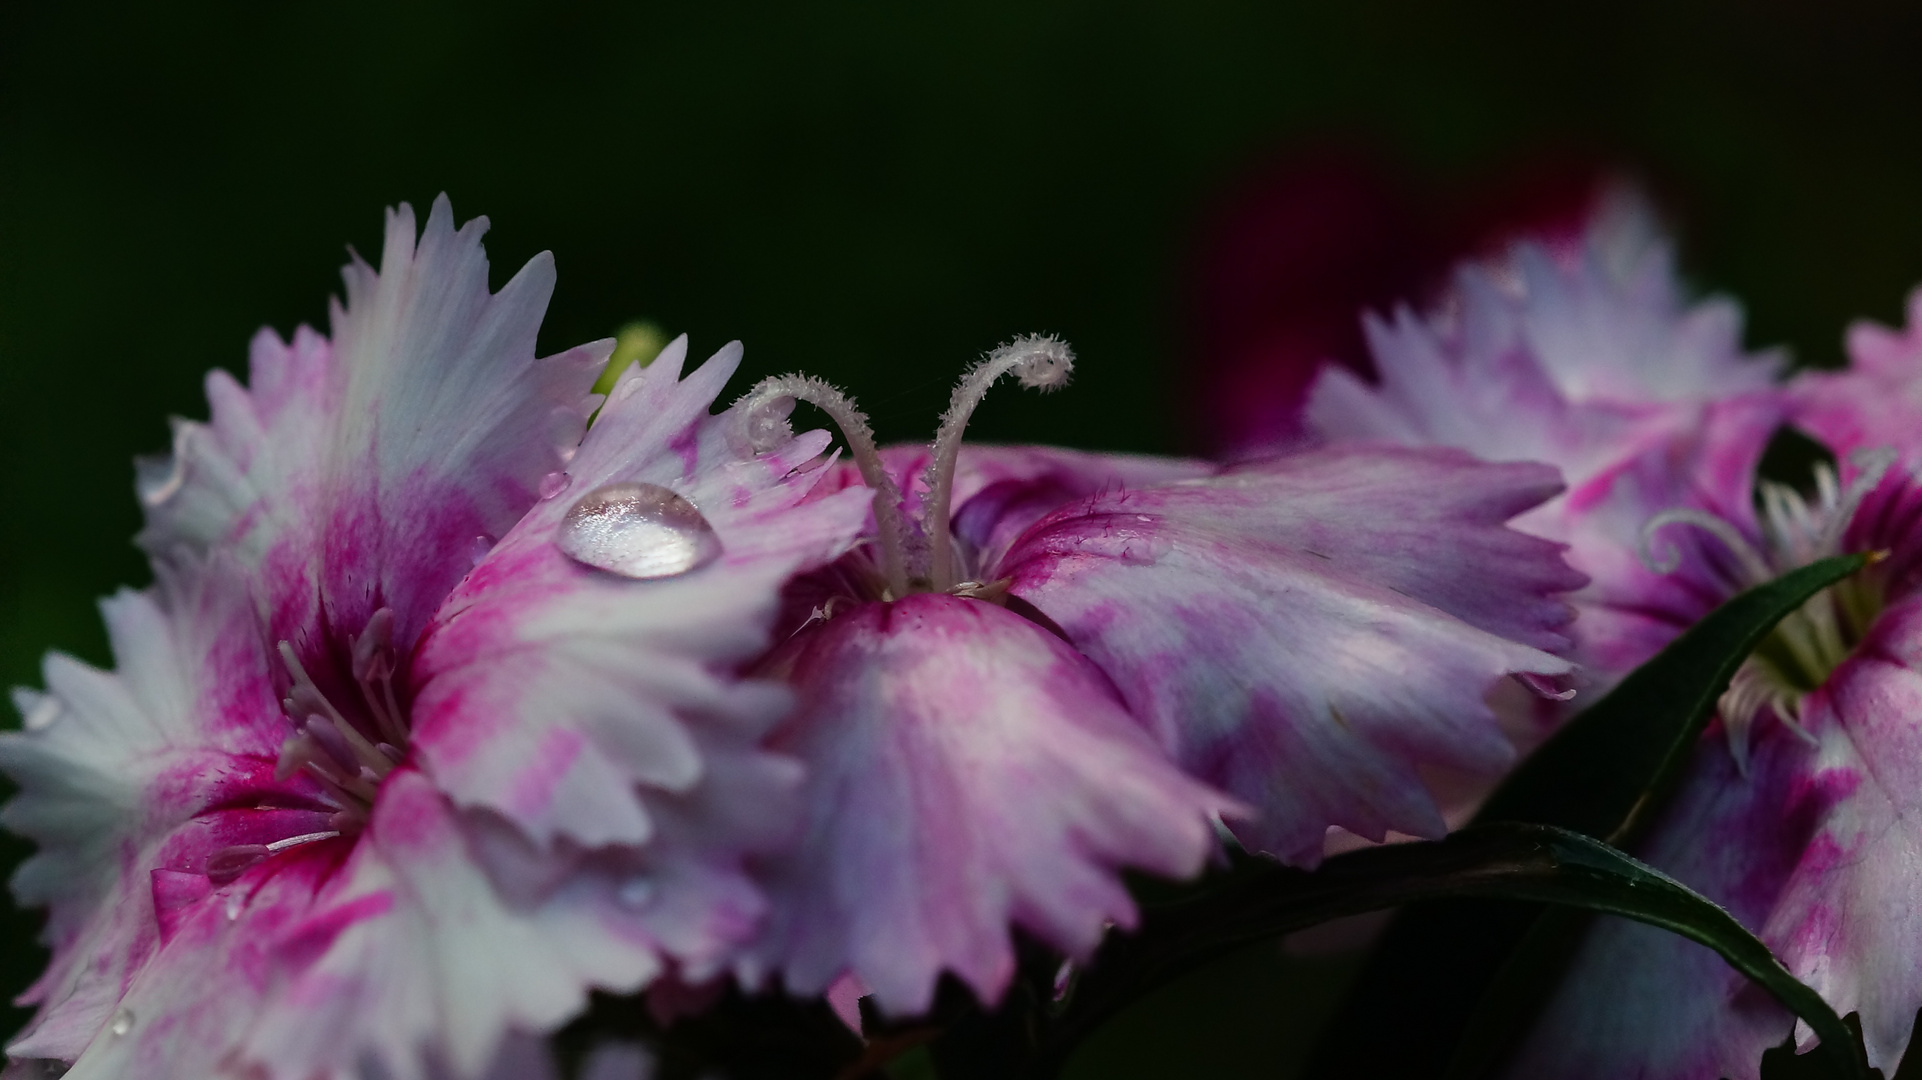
{"x": 1599, "y": 367}
{"x": 967, "y": 772}
{"x": 567, "y": 697}
{"x": 1310, "y": 633}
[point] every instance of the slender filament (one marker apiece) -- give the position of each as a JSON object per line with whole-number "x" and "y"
{"x": 766, "y": 427}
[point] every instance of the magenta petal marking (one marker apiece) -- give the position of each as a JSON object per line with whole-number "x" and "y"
{"x": 967, "y": 771}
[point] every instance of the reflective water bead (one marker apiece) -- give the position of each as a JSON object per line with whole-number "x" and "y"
{"x": 554, "y": 483}
{"x": 639, "y": 531}
{"x": 122, "y": 1022}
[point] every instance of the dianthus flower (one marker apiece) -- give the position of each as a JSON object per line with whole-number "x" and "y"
{"x": 1791, "y": 813}
{"x": 1046, "y": 665}
{"x": 426, "y": 726}
{"x": 1806, "y": 831}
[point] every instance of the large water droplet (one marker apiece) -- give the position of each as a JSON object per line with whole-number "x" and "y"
{"x": 638, "y": 531}
{"x": 122, "y": 1022}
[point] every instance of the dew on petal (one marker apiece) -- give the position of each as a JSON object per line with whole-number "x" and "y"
{"x": 229, "y": 863}
{"x": 554, "y": 483}
{"x": 638, "y": 531}
{"x": 122, "y": 1023}
{"x": 478, "y": 548}
{"x": 635, "y": 892}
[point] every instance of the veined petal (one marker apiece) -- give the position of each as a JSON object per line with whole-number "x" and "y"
{"x": 1308, "y": 633}
{"x": 966, "y": 771}
{"x": 567, "y": 698}
{"x": 356, "y": 474}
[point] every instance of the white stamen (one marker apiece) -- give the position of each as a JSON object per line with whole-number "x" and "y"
{"x": 1813, "y": 640}
{"x": 764, "y": 426}
{"x": 1040, "y": 363}
{"x": 298, "y": 703}
{"x": 1872, "y": 466}
{"x": 303, "y": 838}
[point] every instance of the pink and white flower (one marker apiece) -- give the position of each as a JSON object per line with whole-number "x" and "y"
{"x": 384, "y": 781}
{"x": 1044, "y": 666}
{"x": 1588, "y": 357}
{"x": 1793, "y": 813}
{"x": 1806, "y": 832}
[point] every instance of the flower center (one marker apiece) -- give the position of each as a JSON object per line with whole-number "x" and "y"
{"x": 348, "y": 757}
{"x": 1807, "y": 646}
{"x": 912, "y": 560}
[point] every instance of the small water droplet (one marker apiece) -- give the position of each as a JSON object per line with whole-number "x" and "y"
{"x": 43, "y": 714}
{"x": 635, "y": 893}
{"x": 122, "y": 1022}
{"x": 478, "y": 548}
{"x": 638, "y": 531}
{"x": 554, "y": 483}
{"x": 235, "y": 902}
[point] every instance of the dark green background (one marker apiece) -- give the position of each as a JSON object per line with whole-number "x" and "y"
{"x": 872, "y": 192}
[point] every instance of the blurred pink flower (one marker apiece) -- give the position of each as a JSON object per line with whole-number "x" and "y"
{"x": 1588, "y": 356}
{"x": 1298, "y": 246}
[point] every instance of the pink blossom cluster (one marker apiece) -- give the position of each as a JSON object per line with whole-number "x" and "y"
{"x": 462, "y": 693}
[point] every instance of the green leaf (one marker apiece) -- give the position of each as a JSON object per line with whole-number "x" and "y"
{"x": 1534, "y": 863}
{"x": 1608, "y": 767}
{"x": 1604, "y": 774}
